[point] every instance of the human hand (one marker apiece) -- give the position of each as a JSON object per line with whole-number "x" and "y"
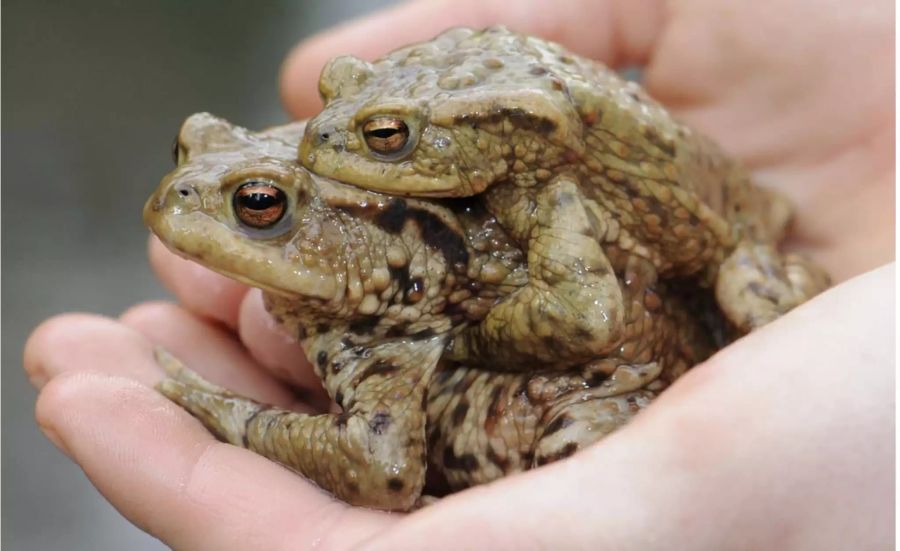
{"x": 774, "y": 423}
{"x": 762, "y": 447}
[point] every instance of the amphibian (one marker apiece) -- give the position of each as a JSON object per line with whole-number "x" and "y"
{"x": 374, "y": 287}
{"x": 584, "y": 171}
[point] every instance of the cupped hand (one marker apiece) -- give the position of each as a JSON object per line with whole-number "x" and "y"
{"x": 783, "y": 440}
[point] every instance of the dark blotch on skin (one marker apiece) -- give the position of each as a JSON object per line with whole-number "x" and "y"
{"x": 393, "y": 217}
{"x": 398, "y": 330}
{"x": 249, "y": 421}
{"x": 339, "y": 397}
{"x": 455, "y": 311}
{"x": 441, "y": 237}
{"x": 459, "y": 413}
{"x": 435, "y": 232}
{"x": 395, "y": 484}
{"x": 519, "y": 117}
{"x": 423, "y": 334}
{"x": 528, "y": 121}
{"x": 364, "y": 326}
{"x": 557, "y": 424}
{"x": 596, "y": 378}
{"x": 565, "y": 452}
{"x": 434, "y": 436}
{"x": 465, "y": 462}
{"x": 380, "y": 367}
{"x": 341, "y": 420}
{"x": 380, "y": 421}
{"x": 400, "y": 275}
{"x": 322, "y": 328}
{"x": 443, "y": 375}
{"x": 570, "y": 449}
{"x": 322, "y": 358}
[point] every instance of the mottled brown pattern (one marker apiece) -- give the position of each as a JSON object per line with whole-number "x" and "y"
{"x": 581, "y": 167}
{"x": 338, "y": 273}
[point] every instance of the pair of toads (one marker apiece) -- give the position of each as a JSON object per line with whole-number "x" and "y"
{"x": 494, "y": 252}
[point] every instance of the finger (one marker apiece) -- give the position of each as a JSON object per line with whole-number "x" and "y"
{"x": 211, "y": 295}
{"x": 167, "y": 475}
{"x": 88, "y": 342}
{"x": 199, "y": 289}
{"x": 92, "y": 343}
{"x": 208, "y": 349}
{"x": 614, "y": 31}
{"x": 795, "y": 418}
{"x": 277, "y": 351}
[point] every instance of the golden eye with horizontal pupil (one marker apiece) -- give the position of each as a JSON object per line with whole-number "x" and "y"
{"x": 259, "y": 204}
{"x": 386, "y": 135}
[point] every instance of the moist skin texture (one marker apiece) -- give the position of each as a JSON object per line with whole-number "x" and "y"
{"x": 375, "y": 287}
{"x": 581, "y": 168}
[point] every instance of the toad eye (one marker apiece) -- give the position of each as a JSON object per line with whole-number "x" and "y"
{"x": 386, "y": 135}
{"x": 259, "y": 204}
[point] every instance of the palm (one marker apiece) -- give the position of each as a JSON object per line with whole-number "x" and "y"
{"x": 794, "y": 92}
{"x": 810, "y": 112}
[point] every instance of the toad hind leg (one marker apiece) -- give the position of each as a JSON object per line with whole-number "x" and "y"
{"x": 756, "y": 284}
{"x": 571, "y": 310}
{"x": 371, "y": 455}
{"x": 580, "y": 424}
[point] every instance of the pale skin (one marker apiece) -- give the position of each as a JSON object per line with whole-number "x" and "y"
{"x": 803, "y": 417}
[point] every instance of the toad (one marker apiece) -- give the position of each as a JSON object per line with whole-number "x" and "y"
{"x": 375, "y": 287}
{"x": 584, "y": 171}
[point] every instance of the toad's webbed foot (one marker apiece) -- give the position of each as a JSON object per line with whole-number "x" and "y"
{"x": 756, "y": 284}
{"x": 369, "y": 455}
{"x": 583, "y": 421}
{"x": 571, "y": 310}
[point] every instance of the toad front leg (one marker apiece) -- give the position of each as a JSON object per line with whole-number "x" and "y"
{"x": 571, "y": 310}
{"x": 372, "y": 454}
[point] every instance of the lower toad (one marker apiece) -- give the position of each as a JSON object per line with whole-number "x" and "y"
{"x": 376, "y": 288}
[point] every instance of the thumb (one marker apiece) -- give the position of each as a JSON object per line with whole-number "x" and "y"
{"x": 616, "y": 32}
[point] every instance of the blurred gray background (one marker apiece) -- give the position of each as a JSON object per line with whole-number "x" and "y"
{"x": 93, "y": 93}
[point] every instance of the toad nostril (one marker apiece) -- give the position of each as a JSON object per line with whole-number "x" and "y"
{"x": 325, "y": 135}
{"x": 185, "y": 190}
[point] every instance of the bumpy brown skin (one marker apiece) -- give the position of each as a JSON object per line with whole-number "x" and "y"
{"x": 374, "y": 287}
{"x": 581, "y": 167}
